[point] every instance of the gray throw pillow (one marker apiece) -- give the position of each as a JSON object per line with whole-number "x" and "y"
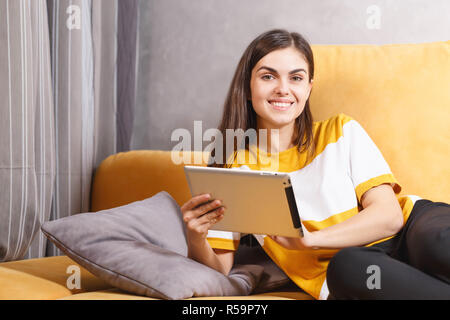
{"x": 141, "y": 248}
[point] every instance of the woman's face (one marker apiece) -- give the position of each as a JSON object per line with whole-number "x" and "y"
{"x": 279, "y": 88}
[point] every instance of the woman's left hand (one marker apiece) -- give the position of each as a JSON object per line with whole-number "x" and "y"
{"x": 296, "y": 243}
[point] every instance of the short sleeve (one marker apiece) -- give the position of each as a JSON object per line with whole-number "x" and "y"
{"x": 367, "y": 166}
{"x": 223, "y": 239}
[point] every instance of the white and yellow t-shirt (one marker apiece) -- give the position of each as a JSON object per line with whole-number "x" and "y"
{"x": 328, "y": 190}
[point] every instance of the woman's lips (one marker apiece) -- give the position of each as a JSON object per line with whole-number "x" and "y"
{"x": 282, "y": 106}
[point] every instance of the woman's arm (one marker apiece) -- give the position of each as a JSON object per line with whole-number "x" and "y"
{"x": 220, "y": 260}
{"x": 199, "y": 215}
{"x": 380, "y": 218}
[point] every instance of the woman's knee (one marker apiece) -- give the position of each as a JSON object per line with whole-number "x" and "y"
{"x": 343, "y": 261}
{"x": 430, "y": 234}
{"x": 347, "y": 271}
{"x": 429, "y": 242}
{"x": 432, "y": 242}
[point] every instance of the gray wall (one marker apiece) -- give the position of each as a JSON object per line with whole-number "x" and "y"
{"x": 188, "y": 50}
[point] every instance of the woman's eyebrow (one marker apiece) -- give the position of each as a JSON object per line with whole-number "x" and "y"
{"x": 275, "y": 71}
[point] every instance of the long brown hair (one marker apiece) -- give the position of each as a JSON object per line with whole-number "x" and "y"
{"x": 238, "y": 111}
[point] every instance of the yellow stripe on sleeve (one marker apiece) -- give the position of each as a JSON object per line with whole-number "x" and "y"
{"x": 226, "y": 244}
{"x": 374, "y": 182}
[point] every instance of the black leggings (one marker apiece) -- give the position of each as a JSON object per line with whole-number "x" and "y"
{"x": 415, "y": 264}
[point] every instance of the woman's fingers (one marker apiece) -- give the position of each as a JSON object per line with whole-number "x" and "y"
{"x": 293, "y": 243}
{"x": 202, "y": 224}
{"x": 201, "y": 210}
{"x": 200, "y": 213}
{"x": 208, "y": 218}
{"x": 288, "y": 243}
{"x": 212, "y": 217}
{"x": 204, "y": 209}
{"x": 195, "y": 201}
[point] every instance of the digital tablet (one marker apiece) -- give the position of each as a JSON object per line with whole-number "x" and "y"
{"x": 257, "y": 202}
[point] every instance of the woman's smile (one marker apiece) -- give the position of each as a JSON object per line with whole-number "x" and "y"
{"x": 280, "y": 104}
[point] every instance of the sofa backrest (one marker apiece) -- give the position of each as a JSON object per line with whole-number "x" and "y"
{"x": 399, "y": 93}
{"x": 136, "y": 175}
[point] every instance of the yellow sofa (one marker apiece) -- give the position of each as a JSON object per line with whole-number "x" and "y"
{"x": 399, "y": 93}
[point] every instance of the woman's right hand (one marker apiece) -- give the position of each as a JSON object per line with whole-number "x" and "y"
{"x": 199, "y": 214}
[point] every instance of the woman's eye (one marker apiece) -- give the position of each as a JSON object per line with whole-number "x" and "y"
{"x": 267, "y": 77}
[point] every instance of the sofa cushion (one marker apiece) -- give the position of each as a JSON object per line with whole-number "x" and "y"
{"x": 141, "y": 248}
{"x": 400, "y": 94}
{"x": 117, "y": 294}
{"x": 45, "y": 279}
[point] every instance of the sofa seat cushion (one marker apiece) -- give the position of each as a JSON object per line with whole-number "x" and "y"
{"x": 107, "y": 294}
{"x": 44, "y": 279}
{"x": 117, "y": 294}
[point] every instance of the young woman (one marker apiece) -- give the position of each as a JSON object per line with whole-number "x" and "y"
{"x": 362, "y": 240}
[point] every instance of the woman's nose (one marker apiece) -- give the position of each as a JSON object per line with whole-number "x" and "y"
{"x": 282, "y": 87}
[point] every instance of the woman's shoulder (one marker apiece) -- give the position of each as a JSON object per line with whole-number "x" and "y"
{"x": 339, "y": 120}
{"x": 333, "y": 127}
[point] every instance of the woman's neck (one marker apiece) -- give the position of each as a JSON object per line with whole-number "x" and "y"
{"x": 278, "y": 139}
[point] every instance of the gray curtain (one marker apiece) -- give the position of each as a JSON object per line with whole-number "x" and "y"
{"x": 62, "y": 109}
{"x": 27, "y": 163}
